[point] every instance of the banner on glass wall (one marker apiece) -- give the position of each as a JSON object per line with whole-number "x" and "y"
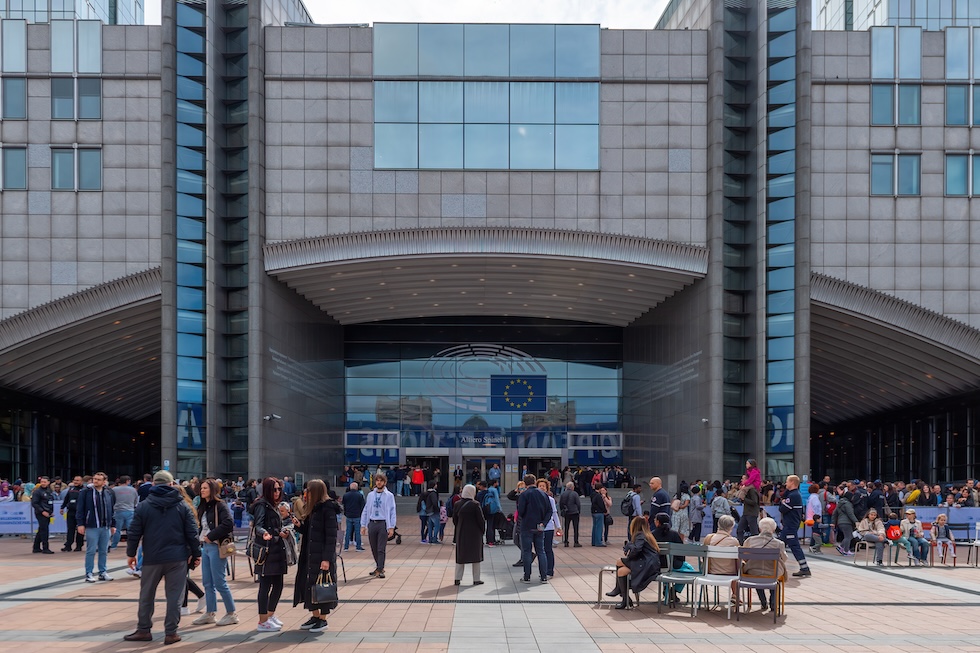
{"x": 525, "y": 394}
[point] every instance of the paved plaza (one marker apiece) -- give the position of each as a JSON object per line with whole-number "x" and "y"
{"x": 46, "y": 606}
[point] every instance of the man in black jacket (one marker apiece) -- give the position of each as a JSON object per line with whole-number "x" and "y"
{"x": 68, "y": 507}
{"x": 42, "y": 501}
{"x": 533, "y": 509}
{"x": 168, "y": 531}
{"x": 353, "y": 507}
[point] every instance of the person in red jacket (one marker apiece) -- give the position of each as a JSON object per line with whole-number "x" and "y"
{"x": 418, "y": 480}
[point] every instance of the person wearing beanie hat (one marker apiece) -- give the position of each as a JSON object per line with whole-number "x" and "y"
{"x": 470, "y": 525}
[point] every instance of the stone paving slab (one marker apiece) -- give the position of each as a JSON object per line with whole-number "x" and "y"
{"x": 843, "y": 607}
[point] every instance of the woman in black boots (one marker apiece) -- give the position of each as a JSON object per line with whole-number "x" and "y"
{"x": 641, "y": 564}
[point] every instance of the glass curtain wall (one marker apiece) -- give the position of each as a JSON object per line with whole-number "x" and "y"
{"x": 780, "y": 246}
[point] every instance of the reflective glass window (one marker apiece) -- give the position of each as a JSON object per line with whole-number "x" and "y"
{"x": 577, "y": 51}
{"x": 190, "y": 275}
{"x": 532, "y": 50}
{"x": 190, "y": 40}
{"x": 189, "y": 135}
{"x": 396, "y": 145}
{"x": 190, "y": 321}
{"x": 781, "y": 256}
{"x": 783, "y": 46}
{"x": 783, "y": 21}
{"x": 440, "y": 49}
{"x": 190, "y": 228}
{"x": 784, "y": 93}
{"x": 784, "y": 209}
{"x": 781, "y": 232}
{"x": 396, "y": 101}
{"x": 956, "y": 174}
{"x": 976, "y": 51}
{"x": 779, "y": 348}
{"x": 577, "y": 147}
{"x": 909, "y": 53}
{"x": 976, "y": 174}
{"x": 780, "y": 325}
{"x": 957, "y": 105}
{"x": 779, "y": 372}
{"x": 189, "y": 391}
{"x": 784, "y": 116}
{"x": 190, "y": 206}
{"x": 190, "y": 15}
{"x": 486, "y": 147}
{"x": 62, "y": 46}
{"x": 441, "y": 102}
{"x": 14, "y": 98}
{"x": 779, "y": 394}
{"x": 89, "y": 46}
{"x": 882, "y": 174}
{"x": 782, "y": 139}
{"x": 14, "y": 168}
{"x": 957, "y": 53}
{"x": 577, "y": 103}
{"x": 89, "y": 169}
{"x": 190, "y": 298}
{"x": 190, "y": 368}
{"x": 882, "y": 104}
{"x": 13, "y": 39}
{"x": 908, "y": 174}
{"x": 62, "y": 169}
{"x": 782, "y": 163}
{"x": 62, "y": 98}
{"x": 532, "y": 102}
{"x": 783, "y": 186}
{"x": 189, "y": 344}
{"x": 396, "y": 49}
{"x": 189, "y": 66}
{"x": 189, "y": 89}
{"x": 487, "y": 50}
{"x": 190, "y": 112}
{"x": 909, "y": 104}
{"x": 780, "y": 279}
{"x": 89, "y": 98}
{"x": 883, "y": 52}
{"x": 783, "y": 70}
{"x": 441, "y": 146}
{"x": 532, "y": 147}
{"x": 486, "y": 102}
{"x": 190, "y": 182}
{"x": 779, "y": 302}
{"x": 188, "y": 159}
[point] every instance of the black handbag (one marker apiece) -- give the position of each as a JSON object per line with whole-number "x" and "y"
{"x": 608, "y": 519}
{"x": 255, "y": 548}
{"x": 324, "y": 590}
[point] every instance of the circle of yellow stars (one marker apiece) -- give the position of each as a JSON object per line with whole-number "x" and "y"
{"x": 518, "y": 404}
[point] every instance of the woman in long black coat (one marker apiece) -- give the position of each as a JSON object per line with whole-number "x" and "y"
{"x": 269, "y": 530}
{"x": 317, "y": 524}
{"x": 470, "y": 527}
{"x": 641, "y": 562}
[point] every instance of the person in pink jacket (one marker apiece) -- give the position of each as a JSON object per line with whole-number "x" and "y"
{"x": 752, "y": 474}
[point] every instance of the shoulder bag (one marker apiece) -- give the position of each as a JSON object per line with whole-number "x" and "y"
{"x": 226, "y": 547}
{"x": 324, "y": 590}
{"x": 256, "y": 549}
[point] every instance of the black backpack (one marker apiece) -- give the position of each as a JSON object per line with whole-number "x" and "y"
{"x": 626, "y": 505}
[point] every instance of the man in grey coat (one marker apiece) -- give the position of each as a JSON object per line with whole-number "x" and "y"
{"x": 570, "y": 508}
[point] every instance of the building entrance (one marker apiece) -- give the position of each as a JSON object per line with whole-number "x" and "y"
{"x": 435, "y": 469}
{"x": 478, "y": 469}
{"x": 538, "y": 466}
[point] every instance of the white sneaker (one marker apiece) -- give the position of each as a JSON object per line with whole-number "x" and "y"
{"x": 133, "y": 572}
{"x": 206, "y": 618}
{"x": 274, "y": 619}
{"x": 229, "y": 619}
{"x": 90, "y": 578}
{"x": 202, "y": 605}
{"x": 268, "y": 627}
{"x": 184, "y": 611}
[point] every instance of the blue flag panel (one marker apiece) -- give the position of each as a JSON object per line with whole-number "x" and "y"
{"x": 518, "y": 393}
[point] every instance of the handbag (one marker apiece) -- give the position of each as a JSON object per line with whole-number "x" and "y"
{"x": 324, "y": 590}
{"x": 226, "y": 547}
{"x": 256, "y": 550}
{"x": 608, "y": 519}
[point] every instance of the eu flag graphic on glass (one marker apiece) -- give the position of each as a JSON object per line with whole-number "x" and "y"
{"x": 518, "y": 393}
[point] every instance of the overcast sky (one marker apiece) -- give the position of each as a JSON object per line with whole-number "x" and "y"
{"x": 636, "y": 14}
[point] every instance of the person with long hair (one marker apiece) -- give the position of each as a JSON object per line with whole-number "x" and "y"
{"x": 552, "y": 528}
{"x": 191, "y": 587}
{"x": 316, "y": 521}
{"x": 640, "y": 564}
{"x": 269, "y": 531}
{"x": 680, "y": 518}
{"x": 470, "y": 525}
{"x": 216, "y": 525}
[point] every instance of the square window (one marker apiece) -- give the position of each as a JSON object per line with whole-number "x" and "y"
{"x": 486, "y": 102}
{"x": 441, "y": 146}
{"x": 486, "y": 147}
{"x": 532, "y": 102}
{"x": 882, "y": 104}
{"x": 577, "y": 147}
{"x": 396, "y": 101}
{"x": 486, "y": 50}
{"x": 441, "y": 50}
{"x": 14, "y": 98}
{"x": 532, "y": 147}
{"x": 577, "y": 104}
{"x": 532, "y": 50}
{"x": 396, "y": 49}
{"x": 441, "y": 102}
{"x": 396, "y": 145}
{"x": 62, "y": 98}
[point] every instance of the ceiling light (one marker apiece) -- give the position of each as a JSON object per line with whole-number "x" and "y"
{"x": 462, "y": 292}
{"x": 581, "y": 284}
{"x": 431, "y": 280}
{"x": 118, "y": 322}
{"x": 509, "y": 292}
{"x": 454, "y": 265}
{"x": 60, "y": 380}
{"x": 632, "y": 276}
{"x": 382, "y": 283}
{"x": 331, "y": 289}
{"x": 482, "y": 279}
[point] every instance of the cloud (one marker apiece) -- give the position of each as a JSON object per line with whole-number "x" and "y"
{"x": 616, "y": 14}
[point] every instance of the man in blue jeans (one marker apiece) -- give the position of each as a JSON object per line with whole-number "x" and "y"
{"x": 353, "y": 502}
{"x": 533, "y": 511}
{"x": 126, "y": 497}
{"x": 94, "y": 515}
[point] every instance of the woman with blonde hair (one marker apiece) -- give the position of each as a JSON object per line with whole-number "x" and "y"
{"x": 641, "y": 562}
{"x": 191, "y": 587}
{"x": 316, "y": 521}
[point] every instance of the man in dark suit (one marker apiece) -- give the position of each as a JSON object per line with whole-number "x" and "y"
{"x": 533, "y": 510}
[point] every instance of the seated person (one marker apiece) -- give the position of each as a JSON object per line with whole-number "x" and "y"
{"x": 872, "y": 530}
{"x": 893, "y": 531}
{"x": 722, "y": 537}
{"x": 943, "y": 536}
{"x": 766, "y": 539}
{"x": 663, "y": 533}
{"x": 641, "y": 562}
{"x": 912, "y": 531}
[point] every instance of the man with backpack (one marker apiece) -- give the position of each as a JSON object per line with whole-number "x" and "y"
{"x": 632, "y": 503}
{"x": 491, "y": 508}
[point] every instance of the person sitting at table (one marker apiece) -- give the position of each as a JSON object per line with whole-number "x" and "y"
{"x": 722, "y": 537}
{"x": 640, "y": 565}
{"x": 766, "y": 539}
{"x": 872, "y": 530}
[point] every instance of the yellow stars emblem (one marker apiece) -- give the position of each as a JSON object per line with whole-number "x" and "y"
{"x": 523, "y": 399}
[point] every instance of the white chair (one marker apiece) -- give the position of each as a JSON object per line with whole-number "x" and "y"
{"x": 702, "y": 583}
{"x": 974, "y": 546}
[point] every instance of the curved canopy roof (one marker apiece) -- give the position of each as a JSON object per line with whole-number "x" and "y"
{"x": 871, "y": 352}
{"x": 590, "y": 277}
{"x": 98, "y": 349}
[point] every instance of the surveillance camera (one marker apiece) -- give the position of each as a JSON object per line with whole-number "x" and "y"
{"x": 274, "y": 416}
{"x": 271, "y": 417}
{"x": 704, "y": 420}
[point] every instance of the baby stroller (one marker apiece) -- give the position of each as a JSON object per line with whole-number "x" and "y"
{"x": 505, "y": 525}
{"x": 395, "y": 535}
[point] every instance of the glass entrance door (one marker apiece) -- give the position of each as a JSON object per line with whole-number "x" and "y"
{"x": 477, "y": 469}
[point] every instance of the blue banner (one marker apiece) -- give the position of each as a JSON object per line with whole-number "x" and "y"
{"x": 519, "y": 394}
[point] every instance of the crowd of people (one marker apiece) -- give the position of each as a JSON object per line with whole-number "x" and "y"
{"x": 172, "y": 527}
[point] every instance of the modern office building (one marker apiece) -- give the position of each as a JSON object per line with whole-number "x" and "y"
{"x": 241, "y": 243}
